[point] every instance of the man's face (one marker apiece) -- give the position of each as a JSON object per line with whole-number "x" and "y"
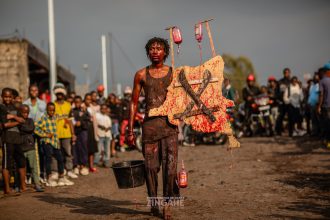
{"x": 156, "y": 53}
{"x": 104, "y": 109}
{"x": 7, "y": 98}
{"x": 25, "y": 112}
{"x": 250, "y": 83}
{"x": 88, "y": 100}
{"x": 100, "y": 93}
{"x": 59, "y": 96}
{"x": 287, "y": 73}
{"x": 94, "y": 97}
{"x": 50, "y": 110}
{"x": 77, "y": 102}
{"x": 34, "y": 92}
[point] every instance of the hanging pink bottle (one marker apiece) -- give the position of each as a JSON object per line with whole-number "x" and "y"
{"x": 198, "y": 32}
{"x": 177, "y": 37}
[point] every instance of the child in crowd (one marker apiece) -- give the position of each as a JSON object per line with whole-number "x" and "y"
{"x": 11, "y": 141}
{"x": 46, "y": 128}
{"x": 81, "y": 120}
{"x": 92, "y": 144}
{"x": 27, "y": 145}
{"x": 103, "y": 122}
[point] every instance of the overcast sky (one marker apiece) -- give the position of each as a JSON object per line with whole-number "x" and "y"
{"x": 273, "y": 34}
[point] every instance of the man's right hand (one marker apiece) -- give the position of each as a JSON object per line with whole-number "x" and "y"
{"x": 130, "y": 139}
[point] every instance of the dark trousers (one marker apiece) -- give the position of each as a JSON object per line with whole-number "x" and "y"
{"x": 325, "y": 114}
{"x": 163, "y": 152}
{"x": 294, "y": 117}
{"x": 50, "y": 151}
{"x": 80, "y": 152}
{"x": 283, "y": 109}
{"x": 315, "y": 118}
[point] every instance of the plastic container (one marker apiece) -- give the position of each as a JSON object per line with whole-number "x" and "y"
{"x": 129, "y": 174}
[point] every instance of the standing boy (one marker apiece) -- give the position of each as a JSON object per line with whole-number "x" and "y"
{"x": 11, "y": 140}
{"x": 46, "y": 128}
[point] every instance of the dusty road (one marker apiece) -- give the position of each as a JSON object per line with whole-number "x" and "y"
{"x": 267, "y": 178}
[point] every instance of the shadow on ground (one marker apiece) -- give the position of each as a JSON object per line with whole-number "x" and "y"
{"x": 92, "y": 205}
{"x": 313, "y": 186}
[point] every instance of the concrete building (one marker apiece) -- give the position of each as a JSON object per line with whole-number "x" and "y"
{"x": 22, "y": 64}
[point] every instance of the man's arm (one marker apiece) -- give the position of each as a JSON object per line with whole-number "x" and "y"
{"x": 133, "y": 104}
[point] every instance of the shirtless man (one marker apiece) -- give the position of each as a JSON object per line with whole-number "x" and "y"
{"x": 160, "y": 138}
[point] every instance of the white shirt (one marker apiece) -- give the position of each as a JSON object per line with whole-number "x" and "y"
{"x": 105, "y": 122}
{"x": 296, "y": 95}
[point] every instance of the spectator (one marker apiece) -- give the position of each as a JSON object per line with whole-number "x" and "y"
{"x": 65, "y": 128}
{"x": 125, "y": 116}
{"x": 114, "y": 105}
{"x": 100, "y": 95}
{"x": 11, "y": 149}
{"x": 37, "y": 109}
{"x": 273, "y": 91}
{"x": 92, "y": 142}
{"x": 312, "y": 101}
{"x": 323, "y": 107}
{"x": 46, "y": 128}
{"x": 228, "y": 91}
{"x": 282, "y": 106}
{"x": 28, "y": 146}
{"x": 82, "y": 119}
{"x": 293, "y": 96}
{"x": 104, "y": 135}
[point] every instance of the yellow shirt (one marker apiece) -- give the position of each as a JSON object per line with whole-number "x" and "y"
{"x": 62, "y": 111}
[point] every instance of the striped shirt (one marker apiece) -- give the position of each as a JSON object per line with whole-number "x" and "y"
{"x": 47, "y": 125}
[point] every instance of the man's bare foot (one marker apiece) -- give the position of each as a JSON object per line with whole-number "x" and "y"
{"x": 167, "y": 215}
{"x": 11, "y": 194}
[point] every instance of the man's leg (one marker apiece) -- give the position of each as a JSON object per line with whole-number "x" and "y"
{"x": 169, "y": 146}
{"x": 279, "y": 119}
{"x": 100, "y": 146}
{"x": 31, "y": 157}
{"x": 6, "y": 166}
{"x": 106, "y": 154}
{"x": 21, "y": 164}
{"x": 67, "y": 154}
{"x": 152, "y": 167}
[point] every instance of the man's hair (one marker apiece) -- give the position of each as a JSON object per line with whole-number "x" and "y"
{"x": 7, "y": 89}
{"x": 50, "y": 104}
{"x": 22, "y": 106}
{"x": 87, "y": 94}
{"x": 162, "y": 42}
{"x": 77, "y": 97}
{"x": 33, "y": 85}
{"x": 286, "y": 69}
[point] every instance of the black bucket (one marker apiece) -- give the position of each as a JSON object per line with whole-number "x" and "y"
{"x": 129, "y": 174}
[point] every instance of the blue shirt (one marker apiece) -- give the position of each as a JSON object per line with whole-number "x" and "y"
{"x": 313, "y": 97}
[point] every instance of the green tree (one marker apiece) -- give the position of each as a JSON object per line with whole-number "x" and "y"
{"x": 237, "y": 69}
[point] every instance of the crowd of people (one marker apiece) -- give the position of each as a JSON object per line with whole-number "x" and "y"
{"x": 52, "y": 143}
{"x": 306, "y": 108}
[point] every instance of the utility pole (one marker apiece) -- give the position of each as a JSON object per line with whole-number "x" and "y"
{"x": 52, "y": 53}
{"x": 104, "y": 64}
{"x": 85, "y": 67}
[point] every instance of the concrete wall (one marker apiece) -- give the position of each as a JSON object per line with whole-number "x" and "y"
{"x": 14, "y": 66}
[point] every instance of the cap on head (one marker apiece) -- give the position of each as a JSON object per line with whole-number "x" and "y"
{"x": 100, "y": 88}
{"x": 250, "y": 77}
{"x": 271, "y": 78}
{"x": 59, "y": 88}
{"x": 327, "y": 66}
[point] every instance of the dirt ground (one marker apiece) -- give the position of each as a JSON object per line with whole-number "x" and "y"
{"x": 267, "y": 178}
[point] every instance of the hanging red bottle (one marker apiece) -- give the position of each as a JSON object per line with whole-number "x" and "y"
{"x": 177, "y": 37}
{"x": 198, "y": 32}
{"x": 183, "y": 177}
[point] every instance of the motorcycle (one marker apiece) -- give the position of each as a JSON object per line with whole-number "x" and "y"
{"x": 260, "y": 118}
